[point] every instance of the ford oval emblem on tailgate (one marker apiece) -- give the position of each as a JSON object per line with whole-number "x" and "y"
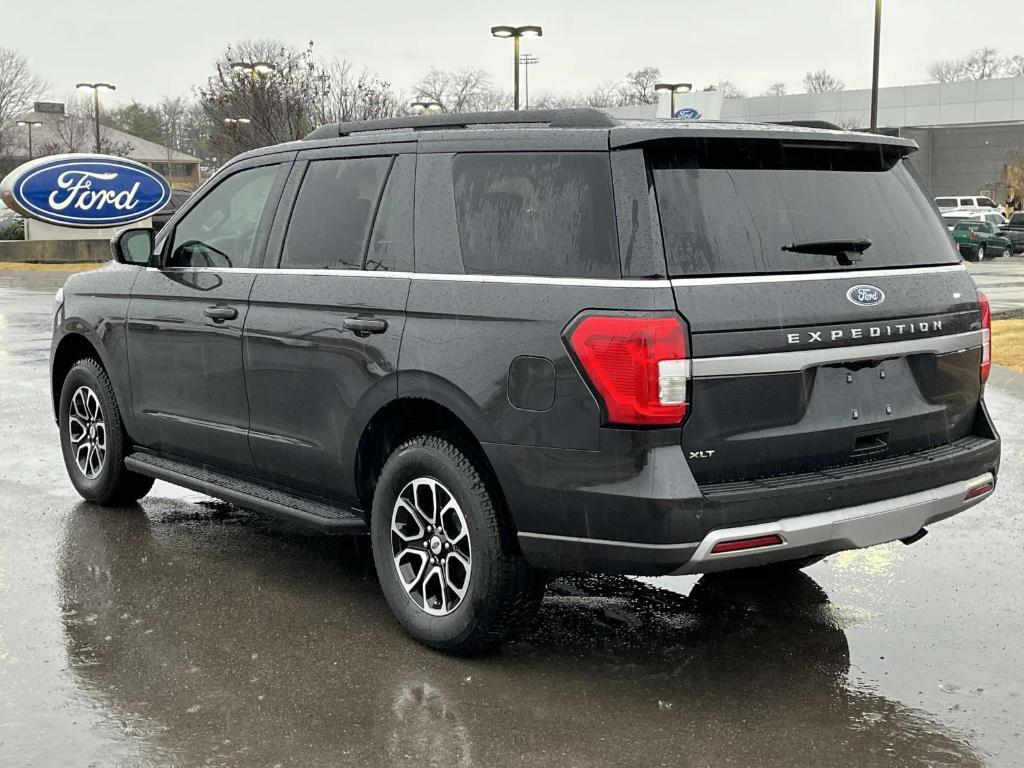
{"x": 865, "y": 295}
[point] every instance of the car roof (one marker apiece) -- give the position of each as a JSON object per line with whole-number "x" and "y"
{"x": 617, "y": 132}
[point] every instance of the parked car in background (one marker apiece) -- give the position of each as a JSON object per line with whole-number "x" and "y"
{"x": 968, "y": 202}
{"x": 12, "y": 224}
{"x": 978, "y": 239}
{"x": 178, "y": 198}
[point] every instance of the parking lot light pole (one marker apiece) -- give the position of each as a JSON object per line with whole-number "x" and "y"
{"x": 30, "y": 124}
{"x": 96, "y": 88}
{"x": 516, "y": 33}
{"x": 526, "y": 60}
{"x": 874, "y": 70}
{"x": 672, "y": 89}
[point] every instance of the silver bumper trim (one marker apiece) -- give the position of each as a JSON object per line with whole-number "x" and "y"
{"x": 864, "y": 525}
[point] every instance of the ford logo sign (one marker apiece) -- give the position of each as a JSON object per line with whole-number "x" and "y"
{"x": 85, "y": 190}
{"x": 865, "y": 295}
{"x": 688, "y": 113}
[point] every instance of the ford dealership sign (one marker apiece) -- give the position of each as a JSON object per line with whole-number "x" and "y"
{"x": 85, "y": 190}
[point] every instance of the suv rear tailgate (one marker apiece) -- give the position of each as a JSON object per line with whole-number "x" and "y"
{"x": 773, "y": 394}
{"x": 831, "y": 320}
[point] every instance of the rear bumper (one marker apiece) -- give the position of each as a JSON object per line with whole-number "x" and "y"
{"x": 851, "y": 528}
{"x": 636, "y": 509}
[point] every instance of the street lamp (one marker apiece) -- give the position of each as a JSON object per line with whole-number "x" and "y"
{"x": 530, "y": 30}
{"x": 672, "y": 89}
{"x": 526, "y": 60}
{"x": 874, "y": 69}
{"x": 96, "y": 88}
{"x": 237, "y": 120}
{"x": 425, "y": 106}
{"x": 253, "y": 68}
{"x": 30, "y": 124}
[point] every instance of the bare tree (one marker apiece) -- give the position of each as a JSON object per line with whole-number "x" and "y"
{"x": 776, "y": 89}
{"x": 981, "y": 64}
{"x": 462, "y": 90}
{"x": 638, "y": 87}
{"x": 728, "y": 88}
{"x": 75, "y": 131}
{"x": 1013, "y": 66}
{"x": 18, "y": 89}
{"x": 345, "y": 94}
{"x": 821, "y": 81}
{"x": 279, "y": 105}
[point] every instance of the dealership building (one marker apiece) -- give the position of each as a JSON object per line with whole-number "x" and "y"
{"x": 971, "y": 134}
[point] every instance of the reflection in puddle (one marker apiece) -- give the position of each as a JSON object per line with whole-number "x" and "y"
{"x": 227, "y": 640}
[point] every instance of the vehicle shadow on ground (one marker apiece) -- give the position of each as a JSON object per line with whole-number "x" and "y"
{"x": 221, "y": 637}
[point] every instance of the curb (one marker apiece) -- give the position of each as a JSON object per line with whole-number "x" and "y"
{"x": 1007, "y": 380}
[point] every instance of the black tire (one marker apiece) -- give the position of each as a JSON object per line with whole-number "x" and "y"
{"x": 1007, "y": 252}
{"x": 981, "y": 253}
{"x": 501, "y": 591}
{"x": 111, "y": 484}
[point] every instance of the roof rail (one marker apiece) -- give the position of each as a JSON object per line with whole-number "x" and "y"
{"x": 584, "y": 117}
{"x": 824, "y": 124}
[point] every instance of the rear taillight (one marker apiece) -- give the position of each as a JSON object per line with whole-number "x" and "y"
{"x": 986, "y": 336}
{"x": 972, "y": 235}
{"x": 638, "y": 365}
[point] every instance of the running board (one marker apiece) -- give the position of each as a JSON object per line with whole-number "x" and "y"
{"x": 247, "y": 494}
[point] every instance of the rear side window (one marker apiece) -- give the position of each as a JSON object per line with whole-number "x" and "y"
{"x": 731, "y": 206}
{"x": 536, "y": 213}
{"x": 331, "y": 219}
{"x": 967, "y": 202}
{"x": 986, "y": 202}
{"x": 945, "y": 202}
{"x": 1017, "y": 219}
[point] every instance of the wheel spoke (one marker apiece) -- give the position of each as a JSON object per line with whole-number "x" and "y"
{"x": 76, "y": 425}
{"x": 410, "y": 584}
{"x": 459, "y": 579}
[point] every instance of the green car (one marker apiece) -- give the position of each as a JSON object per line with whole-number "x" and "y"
{"x": 978, "y": 239}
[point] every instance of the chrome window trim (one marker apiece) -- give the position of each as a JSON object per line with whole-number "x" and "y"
{"x": 798, "y": 360}
{"x": 579, "y": 281}
{"x": 861, "y": 274}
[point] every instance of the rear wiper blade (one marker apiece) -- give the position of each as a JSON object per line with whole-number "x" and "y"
{"x": 847, "y": 251}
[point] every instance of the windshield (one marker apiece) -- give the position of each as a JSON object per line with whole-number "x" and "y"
{"x": 729, "y": 206}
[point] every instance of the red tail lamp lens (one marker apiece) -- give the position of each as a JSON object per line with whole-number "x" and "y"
{"x": 638, "y": 365}
{"x": 986, "y": 336}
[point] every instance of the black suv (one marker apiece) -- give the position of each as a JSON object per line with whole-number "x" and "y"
{"x": 512, "y": 344}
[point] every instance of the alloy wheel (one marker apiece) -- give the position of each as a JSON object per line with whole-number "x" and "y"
{"x": 430, "y": 546}
{"x": 87, "y": 431}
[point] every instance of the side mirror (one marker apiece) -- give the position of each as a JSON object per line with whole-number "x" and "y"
{"x": 133, "y": 246}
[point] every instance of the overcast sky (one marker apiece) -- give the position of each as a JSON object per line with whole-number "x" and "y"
{"x": 150, "y": 49}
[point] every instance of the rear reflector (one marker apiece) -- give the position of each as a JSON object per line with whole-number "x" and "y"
{"x": 986, "y": 336}
{"x": 979, "y": 490}
{"x": 737, "y": 544}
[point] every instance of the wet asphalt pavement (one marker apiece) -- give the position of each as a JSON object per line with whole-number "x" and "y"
{"x": 187, "y": 632}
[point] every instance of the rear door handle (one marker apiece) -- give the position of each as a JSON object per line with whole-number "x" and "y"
{"x": 219, "y": 312}
{"x": 364, "y": 326}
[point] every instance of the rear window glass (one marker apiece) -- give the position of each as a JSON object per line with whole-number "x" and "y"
{"x": 730, "y": 206}
{"x": 536, "y": 213}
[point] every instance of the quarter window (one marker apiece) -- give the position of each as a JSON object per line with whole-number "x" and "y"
{"x": 542, "y": 213}
{"x": 333, "y": 211}
{"x": 220, "y": 231}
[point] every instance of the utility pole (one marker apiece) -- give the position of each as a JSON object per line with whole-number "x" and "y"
{"x": 874, "y": 71}
{"x": 526, "y": 60}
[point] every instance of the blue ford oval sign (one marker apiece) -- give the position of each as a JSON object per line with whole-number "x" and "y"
{"x": 85, "y": 190}
{"x": 865, "y": 295}
{"x": 688, "y": 113}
